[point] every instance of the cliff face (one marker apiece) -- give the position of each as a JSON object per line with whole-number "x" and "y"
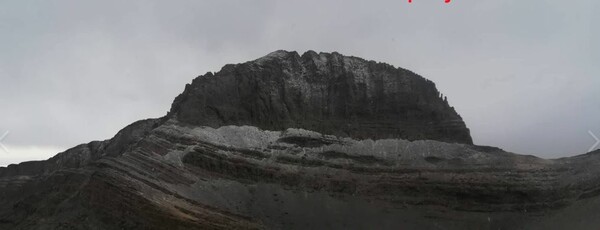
{"x": 255, "y": 169}
{"x": 328, "y": 93}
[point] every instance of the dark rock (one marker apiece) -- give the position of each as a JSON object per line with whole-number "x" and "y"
{"x": 176, "y": 173}
{"x": 328, "y": 93}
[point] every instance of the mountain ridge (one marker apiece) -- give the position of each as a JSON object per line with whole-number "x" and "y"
{"x": 190, "y": 171}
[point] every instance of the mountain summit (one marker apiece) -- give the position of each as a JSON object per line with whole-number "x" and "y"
{"x": 325, "y": 92}
{"x": 318, "y": 141}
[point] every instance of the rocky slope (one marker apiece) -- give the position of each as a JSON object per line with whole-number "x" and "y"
{"x": 217, "y": 161}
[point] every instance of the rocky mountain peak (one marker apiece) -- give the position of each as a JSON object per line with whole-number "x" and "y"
{"x": 287, "y": 142}
{"x": 326, "y": 92}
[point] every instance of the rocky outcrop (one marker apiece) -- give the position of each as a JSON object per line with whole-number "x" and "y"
{"x": 178, "y": 172}
{"x": 182, "y": 176}
{"x": 328, "y": 93}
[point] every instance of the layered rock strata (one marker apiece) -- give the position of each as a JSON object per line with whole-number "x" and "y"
{"x": 224, "y": 159}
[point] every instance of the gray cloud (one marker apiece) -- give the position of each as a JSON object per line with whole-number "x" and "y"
{"x": 522, "y": 73}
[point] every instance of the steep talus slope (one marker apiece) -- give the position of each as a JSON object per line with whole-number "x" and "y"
{"x": 229, "y": 157}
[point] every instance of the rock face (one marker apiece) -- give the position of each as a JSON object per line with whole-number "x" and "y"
{"x": 328, "y": 93}
{"x": 178, "y": 172}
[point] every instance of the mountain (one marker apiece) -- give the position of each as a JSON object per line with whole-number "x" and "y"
{"x": 308, "y": 141}
{"x": 327, "y": 93}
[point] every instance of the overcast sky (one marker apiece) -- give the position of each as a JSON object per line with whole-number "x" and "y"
{"x": 523, "y": 74}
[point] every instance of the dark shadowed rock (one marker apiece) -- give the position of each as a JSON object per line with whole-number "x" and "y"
{"x": 230, "y": 155}
{"x": 328, "y": 93}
